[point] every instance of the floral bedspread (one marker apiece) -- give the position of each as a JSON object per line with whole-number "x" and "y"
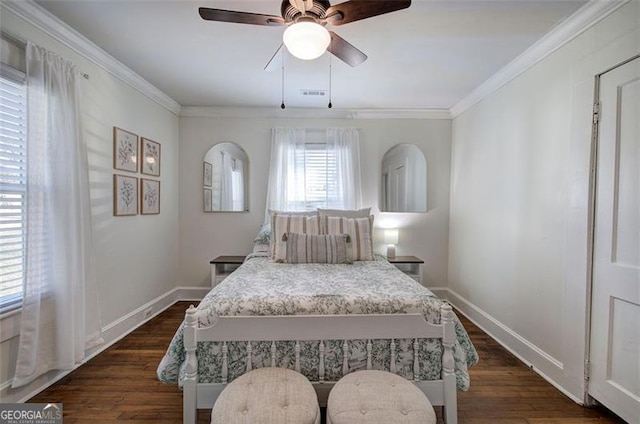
{"x": 263, "y": 287}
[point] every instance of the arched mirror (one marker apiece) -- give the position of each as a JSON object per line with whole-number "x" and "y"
{"x": 404, "y": 180}
{"x": 225, "y": 179}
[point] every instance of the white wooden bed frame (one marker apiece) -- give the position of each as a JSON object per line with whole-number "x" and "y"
{"x": 299, "y": 328}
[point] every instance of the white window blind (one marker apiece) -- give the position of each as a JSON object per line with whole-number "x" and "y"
{"x": 320, "y": 175}
{"x": 13, "y": 175}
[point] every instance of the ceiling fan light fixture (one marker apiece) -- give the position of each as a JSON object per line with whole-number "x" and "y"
{"x": 306, "y": 40}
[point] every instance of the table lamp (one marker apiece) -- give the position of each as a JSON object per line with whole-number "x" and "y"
{"x": 391, "y": 239}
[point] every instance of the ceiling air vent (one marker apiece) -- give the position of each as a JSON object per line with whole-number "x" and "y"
{"x": 313, "y": 92}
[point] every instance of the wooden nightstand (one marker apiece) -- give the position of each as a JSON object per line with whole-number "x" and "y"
{"x": 222, "y": 266}
{"x": 410, "y": 265}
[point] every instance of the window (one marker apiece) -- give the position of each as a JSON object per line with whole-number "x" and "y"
{"x": 314, "y": 169}
{"x": 318, "y": 176}
{"x": 13, "y": 175}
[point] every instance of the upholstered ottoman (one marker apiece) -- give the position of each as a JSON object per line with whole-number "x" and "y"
{"x": 267, "y": 396}
{"x": 377, "y": 397}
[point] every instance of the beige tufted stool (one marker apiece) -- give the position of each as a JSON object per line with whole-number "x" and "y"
{"x": 377, "y": 397}
{"x": 267, "y": 396}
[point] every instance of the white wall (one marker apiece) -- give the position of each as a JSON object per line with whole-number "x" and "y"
{"x": 519, "y": 194}
{"x": 204, "y": 236}
{"x": 136, "y": 257}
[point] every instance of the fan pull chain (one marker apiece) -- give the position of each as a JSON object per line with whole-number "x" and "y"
{"x": 330, "y": 62}
{"x": 282, "y": 106}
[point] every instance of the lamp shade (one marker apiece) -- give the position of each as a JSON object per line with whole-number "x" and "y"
{"x": 391, "y": 236}
{"x": 306, "y": 40}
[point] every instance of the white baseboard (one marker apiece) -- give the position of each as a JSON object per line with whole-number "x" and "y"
{"x": 441, "y": 292}
{"x": 531, "y": 355}
{"x": 111, "y": 333}
{"x": 192, "y": 293}
{"x": 116, "y": 330}
{"x": 125, "y": 325}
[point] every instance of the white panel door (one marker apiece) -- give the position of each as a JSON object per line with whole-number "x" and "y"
{"x": 615, "y": 315}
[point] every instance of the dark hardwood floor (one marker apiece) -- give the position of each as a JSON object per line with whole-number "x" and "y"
{"x": 120, "y": 385}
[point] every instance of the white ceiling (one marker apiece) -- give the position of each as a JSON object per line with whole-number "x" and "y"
{"x": 428, "y": 56}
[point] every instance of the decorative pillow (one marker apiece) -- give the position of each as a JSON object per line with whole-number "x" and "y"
{"x": 359, "y": 231}
{"x": 282, "y": 224}
{"x": 264, "y": 235}
{"x": 341, "y": 213}
{"x": 317, "y": 249}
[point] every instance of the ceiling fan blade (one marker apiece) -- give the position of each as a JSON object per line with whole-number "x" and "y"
{"x": 239, "y": 17}
{"x": 345, "y": 51}
{"x": 275, "y": 62}
{"x": 356, "y": 10}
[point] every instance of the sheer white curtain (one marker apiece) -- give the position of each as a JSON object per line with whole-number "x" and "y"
{"x": 345, "y": 143}
{"x": 294, "y": 168}
{"x": 237, "y": 183}
{"x": 286, "y": 192}
{"x": 60, "y": 315}
{"x": 226, "y": 183}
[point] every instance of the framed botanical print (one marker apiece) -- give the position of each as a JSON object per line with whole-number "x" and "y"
{"x": 208, "y": 206}
{"x": 207, "y": 174}
{"x": 125, "y": 150}
{"x": 149, "y": 157}
{"x": 125, "y": 195}
{"x": 149, "y": 197}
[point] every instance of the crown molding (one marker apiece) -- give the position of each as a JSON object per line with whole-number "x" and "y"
{"x": 262, "y": 112}
{"x": 312, "y": 113}
{"x": 54, "y": 27}
{"x": 401, "y": 114}
{"x": 567, "y": 30}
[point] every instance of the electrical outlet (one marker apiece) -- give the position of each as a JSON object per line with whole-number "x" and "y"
{"x": 147, "y": 313}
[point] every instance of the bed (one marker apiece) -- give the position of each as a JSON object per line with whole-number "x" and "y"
{"x": 323, "y": 351}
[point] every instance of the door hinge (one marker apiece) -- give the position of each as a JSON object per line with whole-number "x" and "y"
{"x": 596, "y": 112}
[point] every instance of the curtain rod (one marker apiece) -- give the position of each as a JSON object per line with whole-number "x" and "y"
{"x": 23, "y": 43}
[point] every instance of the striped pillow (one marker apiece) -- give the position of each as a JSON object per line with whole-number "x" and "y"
{"x": 341, "y": 213}
{"x": 317, "y": 249}
{"x": 359, "y": 231}
{"x": 282, "y": 224}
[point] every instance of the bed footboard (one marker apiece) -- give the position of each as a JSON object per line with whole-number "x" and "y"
{"x": 300, "y": 328}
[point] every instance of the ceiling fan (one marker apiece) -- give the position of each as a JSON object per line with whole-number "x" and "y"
{"x": 306, "y": 36}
